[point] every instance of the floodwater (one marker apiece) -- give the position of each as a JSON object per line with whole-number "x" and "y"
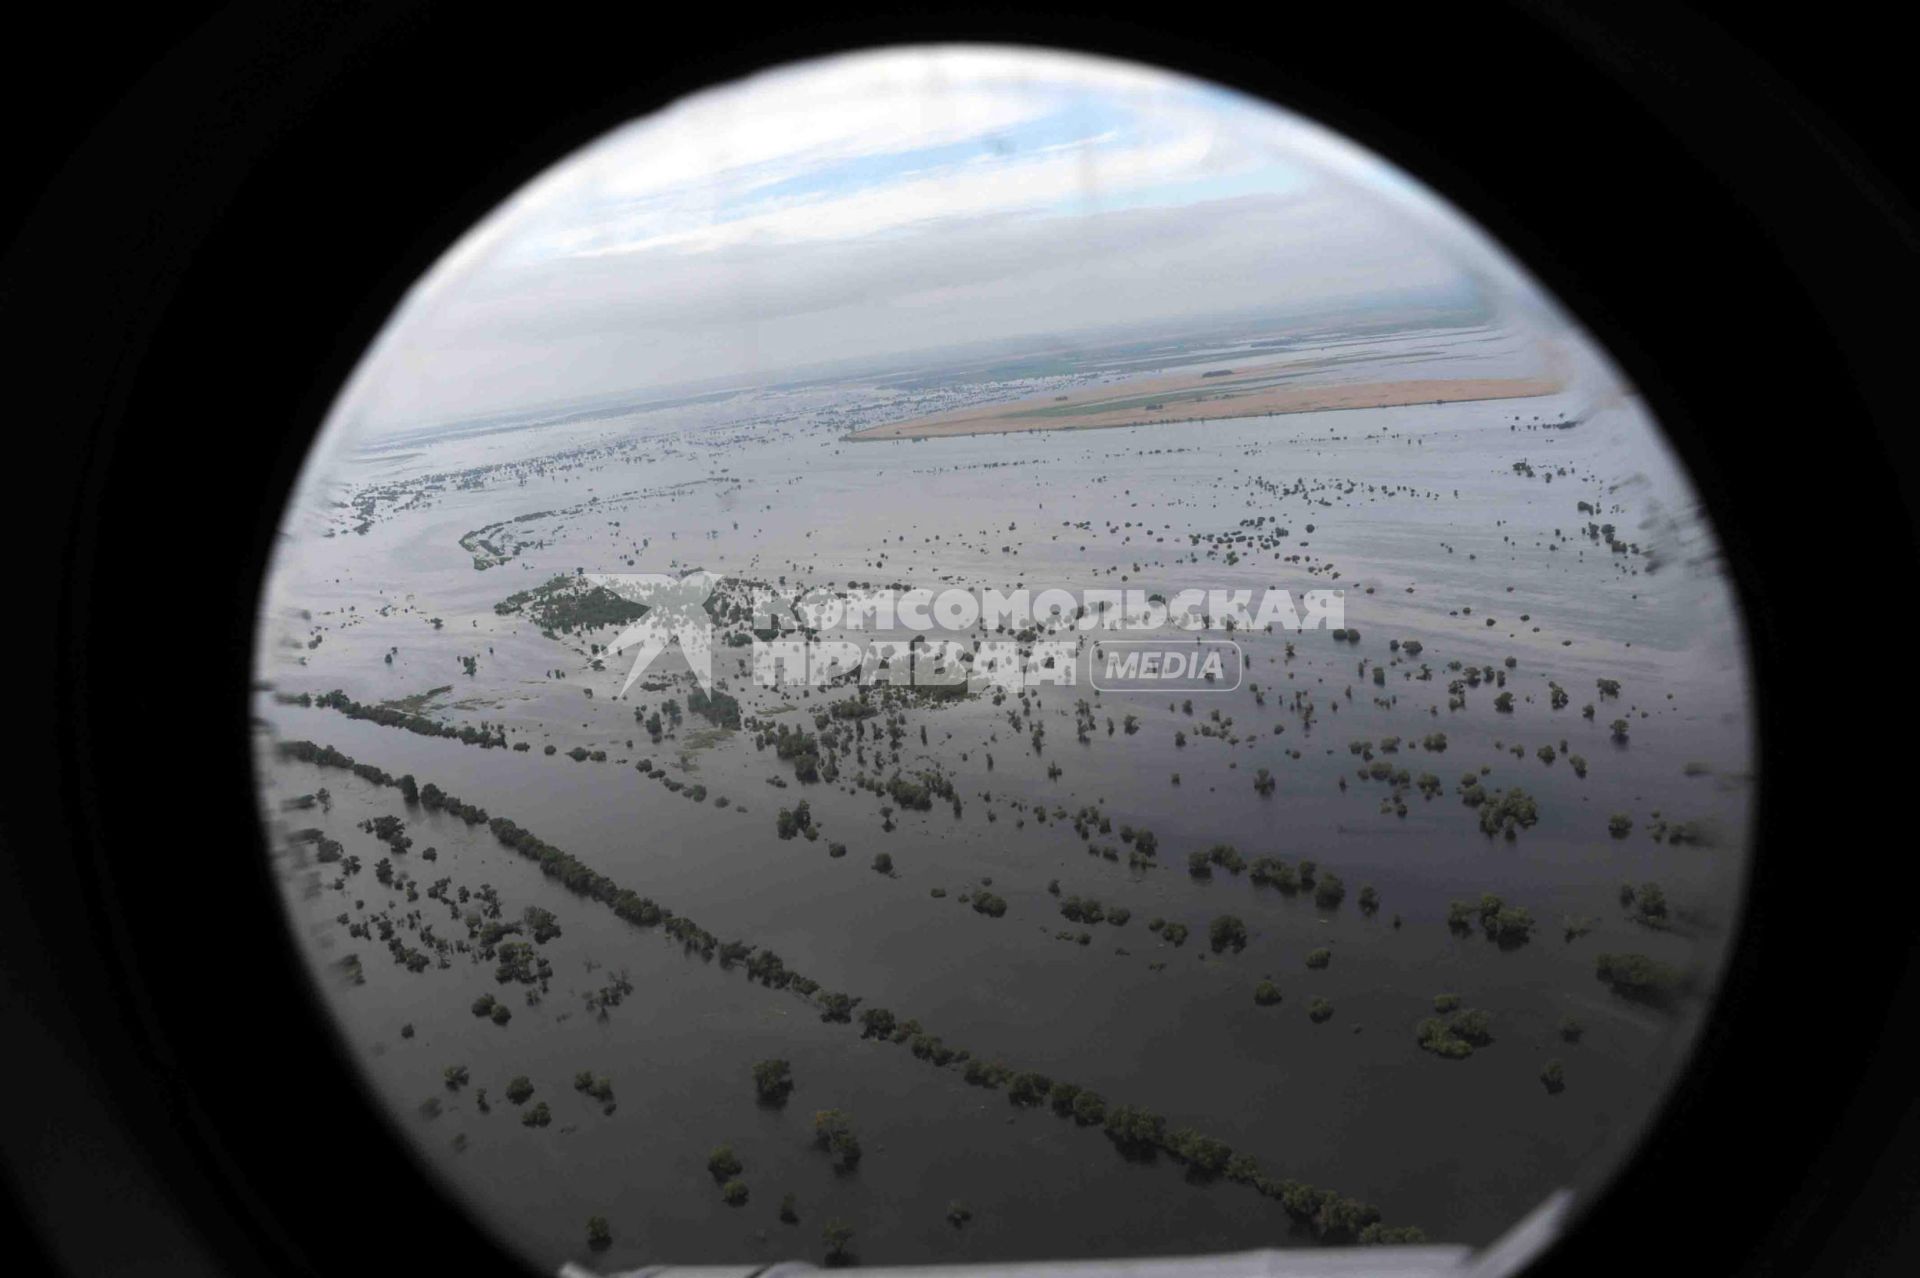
{"x": 1431, "y": 527}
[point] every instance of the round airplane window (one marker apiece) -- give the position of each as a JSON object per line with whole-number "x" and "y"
{"x": 975, "y": 654}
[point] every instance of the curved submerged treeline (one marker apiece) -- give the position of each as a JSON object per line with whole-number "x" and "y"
{"x": 1136, "y": 1132}
{"x": 389, "y": 717}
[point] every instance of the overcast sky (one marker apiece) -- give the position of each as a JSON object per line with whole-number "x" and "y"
{"x": 885, "y": 203}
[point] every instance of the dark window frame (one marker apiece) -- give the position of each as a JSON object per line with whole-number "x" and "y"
{"x": 152, "y": 282}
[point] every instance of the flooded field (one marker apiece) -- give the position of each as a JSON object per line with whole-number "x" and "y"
{"x": 1540, "y": 695}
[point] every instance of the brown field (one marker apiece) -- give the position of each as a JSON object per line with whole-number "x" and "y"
{"x": 1193, "y": 397}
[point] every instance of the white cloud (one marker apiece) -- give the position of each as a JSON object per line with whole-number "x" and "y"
{"x": 813, "y": 214}
{"x": 1088, "y": 173}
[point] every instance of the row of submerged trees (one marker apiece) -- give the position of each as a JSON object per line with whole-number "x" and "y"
{"x": 1135, "y": 1131}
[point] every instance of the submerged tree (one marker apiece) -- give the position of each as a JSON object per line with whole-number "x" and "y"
{"x": 833, "y": 1131}
{"x": 1135, "y": 1129}
{"x": 1434, "y": 1035}
{"x": 1639, "y": 977}
{"x": 1205, "y": 1155}
{"x": 1028, "y": 1088}
{"x": 1227, "y": 930}
{"x": 1457, "y": 1038}
{"x": 773, "y": 1080}
{"x": 837, "y": 1234}
{"x": 1474, "y": 1026}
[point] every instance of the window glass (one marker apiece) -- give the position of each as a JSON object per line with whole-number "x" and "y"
{"x": 968, "y": 655}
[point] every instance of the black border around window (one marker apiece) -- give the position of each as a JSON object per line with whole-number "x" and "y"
{"x": 201, "y": 265}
